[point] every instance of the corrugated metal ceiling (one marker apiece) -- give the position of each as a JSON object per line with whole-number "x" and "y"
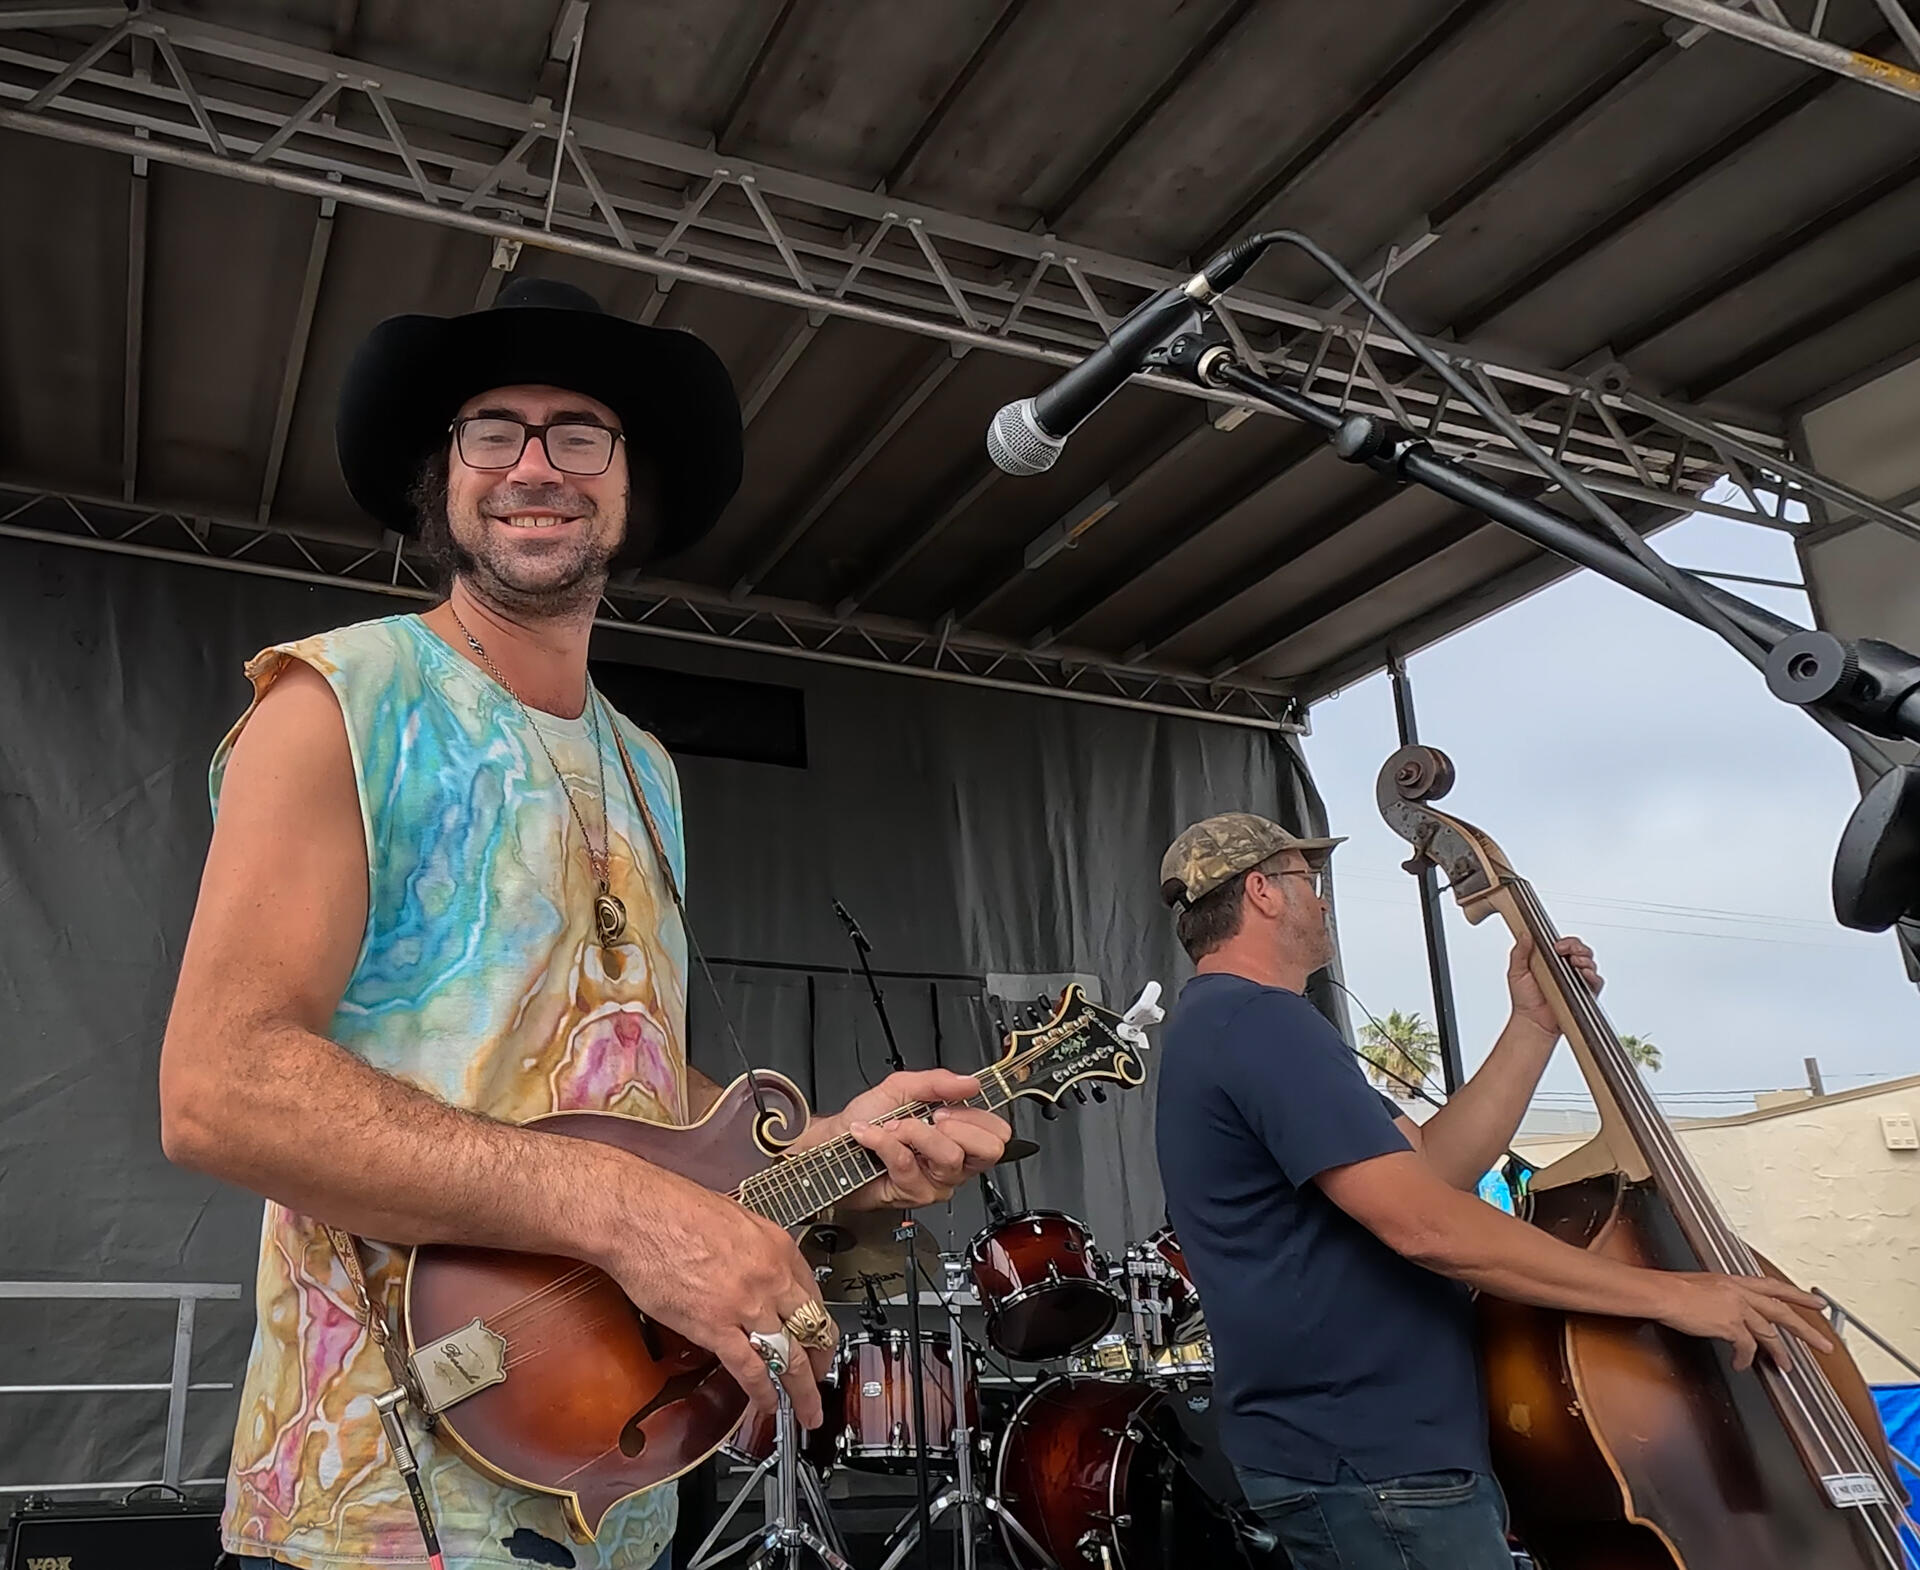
{"x": 1575, "y": 186}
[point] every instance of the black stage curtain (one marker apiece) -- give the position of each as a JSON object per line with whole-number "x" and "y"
{"x": 973, "y": 832}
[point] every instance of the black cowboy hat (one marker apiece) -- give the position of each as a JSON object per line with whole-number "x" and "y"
{"x": 673, "y": 395}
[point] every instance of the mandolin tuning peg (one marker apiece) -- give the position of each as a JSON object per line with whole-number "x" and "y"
{"x": 1099, "y": 1094}
{"x": 1079, "y": 1095}
{"x": 1049, "y": 1111}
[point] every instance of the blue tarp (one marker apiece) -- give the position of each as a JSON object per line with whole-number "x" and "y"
{"x": 1900, "y": 1411}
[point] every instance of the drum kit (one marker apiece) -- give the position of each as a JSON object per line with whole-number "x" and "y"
{"x": 1107, "y": 1460}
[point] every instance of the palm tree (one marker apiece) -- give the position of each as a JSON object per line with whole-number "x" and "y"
{"x": 1643, "y": 1051}
{"x": 1400, "y": 1047}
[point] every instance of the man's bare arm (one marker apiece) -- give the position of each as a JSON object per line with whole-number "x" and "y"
{"x": 1465, "y": 1137}
{"x": 1409, "y": 1207}
{"x": 252, "y": 1091}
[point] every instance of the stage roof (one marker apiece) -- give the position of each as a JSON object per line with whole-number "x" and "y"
{"x": 1656, "y": 241}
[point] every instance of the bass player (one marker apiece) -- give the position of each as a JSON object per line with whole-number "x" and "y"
{"x": 1333, "y": 1240}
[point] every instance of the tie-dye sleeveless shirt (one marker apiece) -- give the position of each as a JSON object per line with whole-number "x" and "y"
{"x": 478, "y": 979}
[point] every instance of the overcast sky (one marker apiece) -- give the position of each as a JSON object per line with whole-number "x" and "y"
{"x": 1639, "y": 774}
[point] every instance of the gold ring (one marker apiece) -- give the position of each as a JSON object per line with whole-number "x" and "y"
{"x": 811, "y": 1326}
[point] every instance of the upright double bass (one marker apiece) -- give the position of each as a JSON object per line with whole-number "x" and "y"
{"x": 1623, "y": 1445}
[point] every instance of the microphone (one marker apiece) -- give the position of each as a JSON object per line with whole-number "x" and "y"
{"x": 1026, "y": 437}
{"x": 853, "y": 928}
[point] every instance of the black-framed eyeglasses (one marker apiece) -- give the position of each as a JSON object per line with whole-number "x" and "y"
{"x": 491, "y": 441}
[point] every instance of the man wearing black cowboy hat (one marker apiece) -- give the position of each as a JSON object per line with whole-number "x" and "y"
{"x": 427, "y": 916}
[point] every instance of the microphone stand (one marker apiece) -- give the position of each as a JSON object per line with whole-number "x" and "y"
{"x": 1853, "y": 688}
{"x": 907, "y": 1233}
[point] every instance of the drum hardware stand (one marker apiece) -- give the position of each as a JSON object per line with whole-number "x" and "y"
{"x": 787, "y": 1534}
{"x": 1246, "y": 1527}
{"x": 907, "y": 1233}
{"x": 872, "y": 1315}
{"x": 963, "y": 1494}
{"x": 1142, "y": 1305}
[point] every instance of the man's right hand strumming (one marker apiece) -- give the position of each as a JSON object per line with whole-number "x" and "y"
{"x": 714, "y": 1271}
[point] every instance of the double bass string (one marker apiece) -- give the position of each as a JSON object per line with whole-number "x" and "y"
{"x": 1825, "y": 1417}
{"x": 1826, "y": 1421}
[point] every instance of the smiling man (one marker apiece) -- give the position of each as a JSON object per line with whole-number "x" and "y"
{"x": 433, "y": 909}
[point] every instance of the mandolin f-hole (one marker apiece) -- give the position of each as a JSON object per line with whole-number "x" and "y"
{"x": 633, "y": 1438}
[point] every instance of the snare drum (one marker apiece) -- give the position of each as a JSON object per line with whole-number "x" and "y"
{"x": 1043, "y": 1285}
{"x": 1111, "y": 1357}
{"x": 1182, "y": 1360}
{"x": 876, "y": 1401}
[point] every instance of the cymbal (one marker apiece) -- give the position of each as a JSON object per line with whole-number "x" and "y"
{"x": 858, "y": 1248}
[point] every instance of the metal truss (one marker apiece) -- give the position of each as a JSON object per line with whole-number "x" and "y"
{"x": 253, "y": 108}
{"x": 652, "y": 607}
{"x": 1768, "y": 24}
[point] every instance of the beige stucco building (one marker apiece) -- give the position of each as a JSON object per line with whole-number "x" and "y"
{"x": 1828, "y": 1188}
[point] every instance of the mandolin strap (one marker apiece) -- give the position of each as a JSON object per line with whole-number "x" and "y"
{"x": 405, "y": 1389}
{"x": 686, "y": 922}
{"x": 347, "y": 1246}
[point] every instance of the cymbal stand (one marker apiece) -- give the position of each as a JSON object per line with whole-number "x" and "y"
{"x": 787, "y": 1534}
{"x": 963, "y": 1493}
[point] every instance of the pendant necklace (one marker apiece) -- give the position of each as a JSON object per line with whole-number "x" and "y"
{"x": 609, "y": 914}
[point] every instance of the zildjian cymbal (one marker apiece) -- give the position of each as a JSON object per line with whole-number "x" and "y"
{"x": 852, "y": 1251}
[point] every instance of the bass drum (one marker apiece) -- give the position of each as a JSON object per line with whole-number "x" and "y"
{"x": 1106, "y": 1473}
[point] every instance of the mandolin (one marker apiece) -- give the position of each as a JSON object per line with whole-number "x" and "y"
{"x": 1623, "y": 1445}
{"x": 544, "y": 1373}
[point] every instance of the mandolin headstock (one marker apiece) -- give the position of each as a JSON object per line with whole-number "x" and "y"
{"x": 1081, "y": 1041}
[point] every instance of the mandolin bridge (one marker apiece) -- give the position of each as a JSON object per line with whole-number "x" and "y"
{"x": 459, "y": 1365}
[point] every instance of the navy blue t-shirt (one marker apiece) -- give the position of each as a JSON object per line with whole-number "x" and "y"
{"x": 1327, "y": 1345}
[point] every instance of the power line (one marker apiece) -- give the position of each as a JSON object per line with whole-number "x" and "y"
{"x": 1612, "y": 902}
{"x": 1642, "y": 926}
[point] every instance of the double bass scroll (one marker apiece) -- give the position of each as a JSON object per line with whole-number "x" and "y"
{"x": 1623, "y": 1445}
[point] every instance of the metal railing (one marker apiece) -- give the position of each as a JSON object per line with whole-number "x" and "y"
{"x": 185, "y": 1294}
{"x": 1842, "y": 1320}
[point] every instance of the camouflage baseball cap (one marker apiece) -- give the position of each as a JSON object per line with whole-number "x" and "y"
{"x": 1218, "y": 848}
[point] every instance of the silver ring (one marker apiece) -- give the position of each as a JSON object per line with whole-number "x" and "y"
{"x": 775, "y": 1349}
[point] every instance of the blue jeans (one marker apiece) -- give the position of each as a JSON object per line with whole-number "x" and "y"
{"x": 1429, "y": 1521}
